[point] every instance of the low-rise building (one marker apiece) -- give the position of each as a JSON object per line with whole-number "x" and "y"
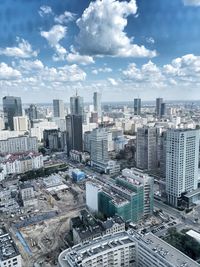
{"x": 9, "y": 253}
{"x": 78, "y": 175}
{"x": 112, "y": 250}
{"x": 85, "y": 227}
{"x": 78, "y": 156}
{"x": 21, "y": 162}
{"x": 125, "y": 249}
{"x": 27, "y": 195}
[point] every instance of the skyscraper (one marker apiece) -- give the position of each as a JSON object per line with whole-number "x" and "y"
{"x": 58, "y": 108}
{"x": 137, "y": 106}
{"x": 32, "y": 112}
{"x": 76, "y": 105}
{"x": 12, "y": 106}
{"x": 159, "y": 101}
{"x": 99, "y": 146}
{"x": 162, "y": 110}
{"x": 146, "y": 151}
{"x": 182, "y": 153}
{"x": 97, "y": 103}
{"x": 74, "y": 133}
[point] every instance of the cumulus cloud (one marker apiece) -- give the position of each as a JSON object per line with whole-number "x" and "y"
{"x": 38, "y": 72}
{"x": 102, "y": 30}
{"x": 182, "y": 72}
{"x": 191, "y": 2}
{"x": 149, "y": 74}
{"x": 54, "y": 36}
{"x": 45, "y": 10}
{"x": 65, "y": 17}
{"x": 67, "y": 73}
{"x": 8, "y": 73}
{"x": 23, "y": 50}
{"x": 104, "y": 70}
{"x": 80, "y": 59}
{"x": 184, "y": 69}
{"x": 112, "y": 81}
{"x": 28, "y": 65}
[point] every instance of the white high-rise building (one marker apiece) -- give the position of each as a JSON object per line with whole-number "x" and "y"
{"x": 146, "y": 151}
{"x": 20, "y": 123}
{"x": 182, "y": 154}
{"x": 58, "y": 108}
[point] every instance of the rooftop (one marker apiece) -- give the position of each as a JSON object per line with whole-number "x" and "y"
{"x": 8, "y": 248}
{"x": 164, "y": 250}
{"x": 74, "y": 256}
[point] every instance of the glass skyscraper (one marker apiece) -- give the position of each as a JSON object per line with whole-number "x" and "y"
{"x": 76, "y": 105}
{"x": 12, "y": 107}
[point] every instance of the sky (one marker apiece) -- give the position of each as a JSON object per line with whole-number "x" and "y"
{"x": 123, "y": 49}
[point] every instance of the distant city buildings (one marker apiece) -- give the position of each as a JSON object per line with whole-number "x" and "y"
{"x": 58, "y": 108}
{"x": 12, "y": 107}
{"x": 182, "y": 153}
{"x": 160, "y": 108}
{"x": 32, "y": 113}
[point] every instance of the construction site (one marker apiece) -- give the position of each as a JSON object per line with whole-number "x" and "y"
{"x": 40, "y": 231}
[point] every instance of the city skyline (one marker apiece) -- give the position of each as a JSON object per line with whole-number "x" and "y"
{"x": 50, "y": 49}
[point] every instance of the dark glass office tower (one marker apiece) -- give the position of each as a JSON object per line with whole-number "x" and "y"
{"x": 76, "y": 105}
{"x": 137, "y": 106}
{"x": 74, "y": 133}
{"x": 12, "y": 107}
{"x": 159, "y": 102}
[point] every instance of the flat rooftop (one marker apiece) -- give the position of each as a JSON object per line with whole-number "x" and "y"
{"x": 74, "y": 256}
{"x": 8, "y": 248}
{"x": 164, "y": 250}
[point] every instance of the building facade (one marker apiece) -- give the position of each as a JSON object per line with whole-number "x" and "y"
{"x": 20, "y": 123}
{"x": 146, "y": 150}
{"x": 12, "y": 107}
{"x": 76, "y": 105}
{"x": 97, "y": 103}
{"x": 182, "y": 154}
{"x": 128, "y": 249}
{"x": 58, "y": 108}
{"x": 19, "y": 144}
{"x": 74, "y": 132}
{"x": 137, "y": 106}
